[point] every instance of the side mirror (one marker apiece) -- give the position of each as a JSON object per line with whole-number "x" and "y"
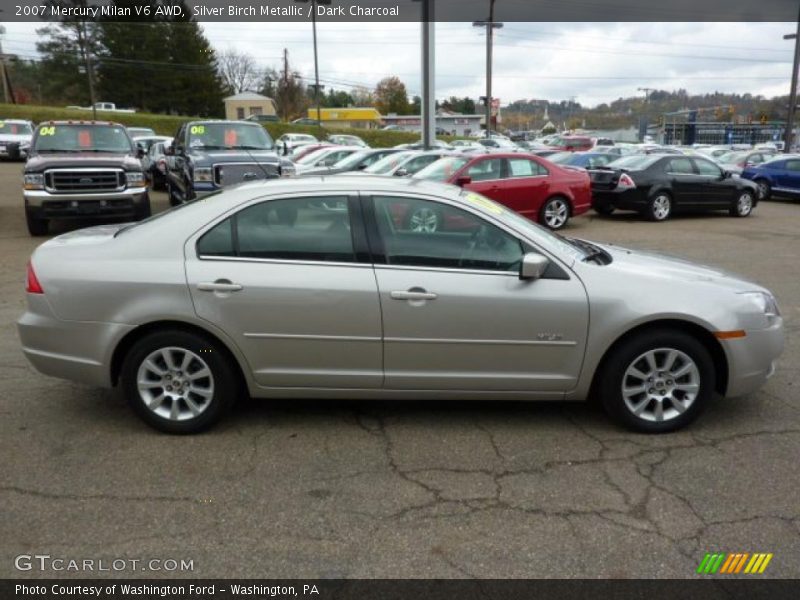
{"x": 533, "y": 266}
{"x": 463, "y": 180}
{"x": 361, "y": 167}
{"x": 401, "y": 172}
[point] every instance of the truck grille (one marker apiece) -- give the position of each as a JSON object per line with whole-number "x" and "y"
{"x": 228, "y": 174}
{"x": 90, "y": 180}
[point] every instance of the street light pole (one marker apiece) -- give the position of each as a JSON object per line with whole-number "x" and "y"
{"x": 316, "y": 61}
{"x": 428, "y": 100}
{"x": 788, "y": 137}
{"x": 490, "y": 26}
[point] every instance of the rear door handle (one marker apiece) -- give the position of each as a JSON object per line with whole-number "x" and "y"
{"x": 413, "y": 294}
{"x": 220, "y": 285}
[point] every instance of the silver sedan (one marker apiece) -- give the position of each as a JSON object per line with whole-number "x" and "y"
{"x": 329, "y": 288}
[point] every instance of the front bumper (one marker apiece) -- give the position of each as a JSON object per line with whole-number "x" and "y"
{"x": 74, "y": 350}
{"x": 752, "y": 359}
{"x": 44, "y": 205}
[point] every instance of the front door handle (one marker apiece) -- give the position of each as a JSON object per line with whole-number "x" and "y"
{"x": 220, "y": 285}
{"x": 413, "y": 294}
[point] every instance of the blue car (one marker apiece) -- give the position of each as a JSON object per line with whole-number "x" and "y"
{"x": 780, "y": 176}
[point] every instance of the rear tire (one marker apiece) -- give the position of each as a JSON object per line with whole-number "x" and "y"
{"x": 36, "y": 226}
{"x": 659, "y": 207}
{"x": 555, "y": 213}
{"x": 743, "y": 205}
{"x": 653, "y": 368}
{"x": 179, "y": 382}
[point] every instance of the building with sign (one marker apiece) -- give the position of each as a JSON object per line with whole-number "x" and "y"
{"x": 360, "y": 118}
{"x": 247, "y": 104}
{"x": 447, "y": 123}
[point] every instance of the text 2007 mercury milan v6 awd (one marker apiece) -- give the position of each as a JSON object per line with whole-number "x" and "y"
{"x": 321, "y": 287}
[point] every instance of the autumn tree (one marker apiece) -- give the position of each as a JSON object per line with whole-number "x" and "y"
{"x": 391, "y": 96}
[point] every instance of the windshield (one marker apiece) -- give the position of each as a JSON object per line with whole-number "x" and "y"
{"x": 229, "y": 135}
{"x": 82, "y": 138}
{"x": 387, "y": 163}
{"x": 732, "y": 157}
{"x": 15, "y": 128}
{"x": 634, "y": 162}
{"x": 140, "y": 131}
{"x": 443, "y": 169}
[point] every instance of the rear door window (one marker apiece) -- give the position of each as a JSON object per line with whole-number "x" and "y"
{"x": 680, "y": 166}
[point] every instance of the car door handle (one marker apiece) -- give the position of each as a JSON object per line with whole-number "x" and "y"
{"x": 413, "y": 294}
{"x": 220, "y": 285}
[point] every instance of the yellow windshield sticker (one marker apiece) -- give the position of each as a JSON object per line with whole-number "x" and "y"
{"x": 197, "y": 129}
{"x": 484, "y": 203}
{"x": 47, "y": 131}
{"x": 2, "y": 124}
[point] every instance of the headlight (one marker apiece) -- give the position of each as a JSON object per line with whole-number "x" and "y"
{"x": 765, "y": 302}
{"x": 203, "y": 174}
{"x": 33, "y": 181}
{"x": 287, "y": 169}
{"x": 135, "y": 178}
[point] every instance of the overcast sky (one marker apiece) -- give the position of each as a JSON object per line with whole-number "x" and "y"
{"x": 594, "y": 62}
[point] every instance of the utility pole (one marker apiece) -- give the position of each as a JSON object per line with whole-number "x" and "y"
{"x": 646, "y": 93}
{"x": 428, "y": 100}
{"x": 645, "y": 117}
{"x": 788, "y": 137}
{"x": 490, "y": 26}
{"x": 316, "y": 61}
{"x": 85, "y": 47}
{"x": 3, "y": 66}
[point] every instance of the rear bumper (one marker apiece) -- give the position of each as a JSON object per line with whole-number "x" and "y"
{"x": 752, "y": 359}
{"x": 44, "y": 205}
{"x": 74, "y": 350}
{"x": 630, "y": 199}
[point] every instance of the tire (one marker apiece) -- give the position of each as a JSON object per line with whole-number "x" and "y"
{"x": 659, "y": 207}
{"x": 422, "y": 219}
{"x": 202, "y": 400}
{"x": 691, "y": 372}
{"x": 764, "y": 189}
{"x": 36, "y": 227}
{"x": 144, "y": 210}
{"x": 603, "y": 209}
{"x": 555, "y": 213}
{"x": 743, "y": 205}
{"x": 173, "y": 198}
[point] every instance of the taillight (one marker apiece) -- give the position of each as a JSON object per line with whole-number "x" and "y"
{"x": 32, "y": 286}
{"x": 625, "y": 182}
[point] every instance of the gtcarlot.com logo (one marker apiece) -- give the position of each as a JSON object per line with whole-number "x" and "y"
{"x": 732, "y": 563}
{"x": 46, "y": 562}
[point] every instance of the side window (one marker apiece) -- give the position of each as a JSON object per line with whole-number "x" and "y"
{"x": 315, "y": 229}
{"x": 486, "y": 169}
{"x": 707, "y": 168}
{"x": 423, "y": 233}
{"x": 598, "y": 161}
{"x": 681, "y": 166}
{"x": 416, "y": 164}
{"x": 374, "y": 158}
{"x": 792, "y": 165}
{"x": 522, "y": 167}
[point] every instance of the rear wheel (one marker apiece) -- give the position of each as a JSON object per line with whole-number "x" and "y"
{"x": 36, "y": 226}
{"x": 743, "y": 205}
{"x": 555, "y": 213}
{"x": 143, "y": 210}
{"x": 764, "y": 189}
{"x": 659, "y": 208}
{"x": 657, "y": 381}
{"x": 179, "y": 382}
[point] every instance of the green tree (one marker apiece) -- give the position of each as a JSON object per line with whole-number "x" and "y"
{"x": 464, "y": 105}
{"x": 391, "y": 96}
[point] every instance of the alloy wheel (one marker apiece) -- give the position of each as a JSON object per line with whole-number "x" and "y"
{"x": 423, "y": 220}
{"x": 175, "y": 383}
{"x": 660, "y": 384}
{"x": 662, "y": 206}
{"x": 744, "y": 204}
{"x": 556, "y": 213}
{"x": 763, "y": 189}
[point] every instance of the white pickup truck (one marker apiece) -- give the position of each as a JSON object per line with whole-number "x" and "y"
{"x": 106, "y": 106}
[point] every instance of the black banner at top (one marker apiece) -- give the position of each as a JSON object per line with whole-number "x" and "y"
{"x": 402, "y": 10}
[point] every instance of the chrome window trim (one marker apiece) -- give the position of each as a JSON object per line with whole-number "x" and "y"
{"x": 285, "y": 261}
{"x": 383, "y": 267}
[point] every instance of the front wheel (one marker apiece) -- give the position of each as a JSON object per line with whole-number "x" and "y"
{"x": 555, "y": 213}
{"x": 143, "y": 210}
{"x": 743, "y": 205}
{"x": 659, "y": 208}
{"x": 657, "y": 381}
{"x": 178, "y": 382}
{"x": 174, "y": 200}
{"x": 764, "y": 189}
{"x": 36, "y": 226}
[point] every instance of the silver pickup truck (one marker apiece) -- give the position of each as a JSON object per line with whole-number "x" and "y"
{"x": 83, "y": 169}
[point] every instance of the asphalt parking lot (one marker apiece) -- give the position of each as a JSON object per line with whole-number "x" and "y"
{"x": 410, "y": 489}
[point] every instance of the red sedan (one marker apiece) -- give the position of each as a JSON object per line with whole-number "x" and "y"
{"x": 532, "y": 186}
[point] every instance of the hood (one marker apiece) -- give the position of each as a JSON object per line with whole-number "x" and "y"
{"x": 40, "y": 162}
{"x": 674, "y": 268}
{"x": 229, "y": 156}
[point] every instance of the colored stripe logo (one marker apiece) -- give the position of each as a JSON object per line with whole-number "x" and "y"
{"x": 734, "y": 563}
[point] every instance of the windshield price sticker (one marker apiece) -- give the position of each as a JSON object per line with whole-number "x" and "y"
{"x": 197, "y": 129}
{"x": 47, "y": 131}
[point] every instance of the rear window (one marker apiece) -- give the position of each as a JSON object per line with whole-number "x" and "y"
{"x": 635, "y": 162}
{"x": 443, "y": 169}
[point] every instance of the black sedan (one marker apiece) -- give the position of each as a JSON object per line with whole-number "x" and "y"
{"x": 657, "y": 185}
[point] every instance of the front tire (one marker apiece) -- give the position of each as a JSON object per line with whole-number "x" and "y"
{"x": 764, "y": 189}
{"x": 743, "y": 205}
{"x": 179, "y": 382}
{"x": 144, "y": 210}
{"x": 36, "y": 227}
{"x": 174, "y": 200}
{"x": 555, "y": 213}
{"x": 659, "y": 208}
{"x": 657, "y": 381}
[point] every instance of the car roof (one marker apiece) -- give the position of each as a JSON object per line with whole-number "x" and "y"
{"x": 82, "y": 122}
{"x": 20, "y": 121}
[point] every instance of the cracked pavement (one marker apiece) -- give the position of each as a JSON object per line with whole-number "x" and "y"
{"x": 411, "y": 489}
